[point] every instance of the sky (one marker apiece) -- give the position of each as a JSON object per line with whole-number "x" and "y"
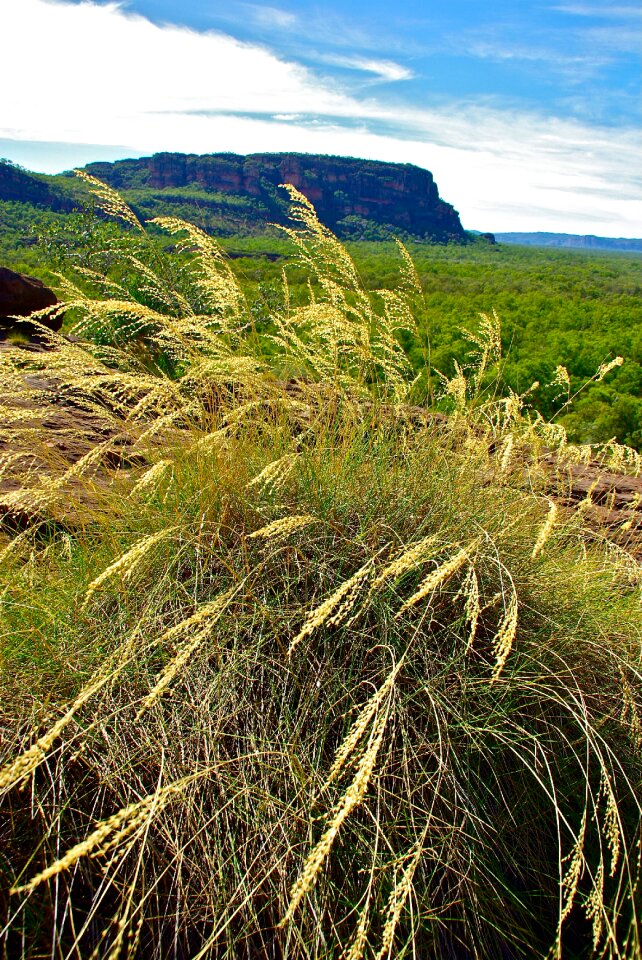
{"x": 528, "y": 113}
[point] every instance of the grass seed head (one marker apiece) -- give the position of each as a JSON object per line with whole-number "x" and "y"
{"x": 352, "y": 798}
{"x": 411, "y": 557}
{"x": 473, "y": 605}
{"x": 280, "y": 529}
{"x": 397, "y": 901}
{"x": 126, "y": 563}
{"x": 336, "y": 607}
{"x": 111, "y": 832}
{"x": 436, "y": 579}
{"x": 546, "y": 529}
{"x": 505, "y": 636}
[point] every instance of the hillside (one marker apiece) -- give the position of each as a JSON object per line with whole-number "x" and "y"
{"x": 229, "y": 194}
{"x": 576, "y": 308}
{"x": 21, "y": 186}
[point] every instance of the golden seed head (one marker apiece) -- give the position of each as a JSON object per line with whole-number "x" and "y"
{"x": 279, "y": 529}
{"x": 435, "y": 579}
{"x": 546, "y": 529}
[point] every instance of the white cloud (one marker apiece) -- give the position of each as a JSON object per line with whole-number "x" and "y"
{"x": 98, "y": 75}
{"x": 386, "y": 70}
{"x": 603, "y": 11}
{"x": 272, "y": 17}
{"x": 95, "y": 69}
{"x": 573, "y": 68}
{"x": 614, "y": 38}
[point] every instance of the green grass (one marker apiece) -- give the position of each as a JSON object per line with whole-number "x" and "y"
{"x": 312, "y": 678}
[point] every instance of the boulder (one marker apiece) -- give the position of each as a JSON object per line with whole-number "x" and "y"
{"x": 20, "y": 296}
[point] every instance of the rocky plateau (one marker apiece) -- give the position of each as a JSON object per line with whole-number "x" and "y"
{"x": 355, "y": 198}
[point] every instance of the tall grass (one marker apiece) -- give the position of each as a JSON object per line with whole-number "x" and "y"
{"x": 291, "y": 670}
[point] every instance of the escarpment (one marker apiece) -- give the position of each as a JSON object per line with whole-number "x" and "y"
{"x": 355, "y": 198}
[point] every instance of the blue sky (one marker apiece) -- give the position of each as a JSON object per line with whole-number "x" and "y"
{"x": 529, "y": 114}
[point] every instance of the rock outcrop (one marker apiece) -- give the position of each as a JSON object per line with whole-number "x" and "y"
{"x": 20, "y": 296}
{"x": 352, "y": 197}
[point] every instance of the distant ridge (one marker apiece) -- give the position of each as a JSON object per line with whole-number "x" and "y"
{"x": 587, "y": 242}
{"x": 19, "y": 185}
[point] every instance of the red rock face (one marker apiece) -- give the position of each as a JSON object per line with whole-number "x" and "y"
{"x": 167, "y": 170}
{"x": 397, "y": 196}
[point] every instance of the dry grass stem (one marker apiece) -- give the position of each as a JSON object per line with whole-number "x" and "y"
{"x": 27, "y": 762}
{"x": 452, "y": 768}
{"x": 352, "y": 798}
{"x": 111, "y": 832}
{"x": 436, "y": 579}
{"x": 336, "y": 607}
{"x": 209, "y": 615}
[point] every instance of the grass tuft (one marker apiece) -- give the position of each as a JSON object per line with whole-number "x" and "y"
{"x": 289, "y": 670}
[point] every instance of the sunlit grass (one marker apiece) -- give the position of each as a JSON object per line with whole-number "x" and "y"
{"x": 300, "y": 676}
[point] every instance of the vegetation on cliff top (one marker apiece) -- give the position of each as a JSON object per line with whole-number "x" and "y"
{"x": 287, "y": 673}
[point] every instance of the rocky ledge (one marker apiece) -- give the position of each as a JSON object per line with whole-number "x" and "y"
{"x": 610, "y": 503}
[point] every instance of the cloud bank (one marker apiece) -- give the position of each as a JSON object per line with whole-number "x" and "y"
{"x": 98, "y": 74}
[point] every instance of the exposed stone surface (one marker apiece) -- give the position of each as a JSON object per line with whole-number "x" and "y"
{"x": 44, "y": 432}
{"x": 344, "y": 191}
{"x": 610, "y": 502}
{"x": 612, "y": 490}
{"x": 20, "y": 295}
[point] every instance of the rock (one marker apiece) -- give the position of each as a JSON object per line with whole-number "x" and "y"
{"x": 20, "y": 296}
{"x": 348, "y": 194}
{"x": 611, "y": 502}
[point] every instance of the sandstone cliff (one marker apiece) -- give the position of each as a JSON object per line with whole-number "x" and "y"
{"x": 352, "y": 197}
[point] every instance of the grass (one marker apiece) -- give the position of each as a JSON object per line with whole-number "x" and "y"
{"x": 305, "y": 674}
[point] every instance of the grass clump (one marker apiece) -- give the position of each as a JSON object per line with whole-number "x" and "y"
{"x": 306, "y": 673}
